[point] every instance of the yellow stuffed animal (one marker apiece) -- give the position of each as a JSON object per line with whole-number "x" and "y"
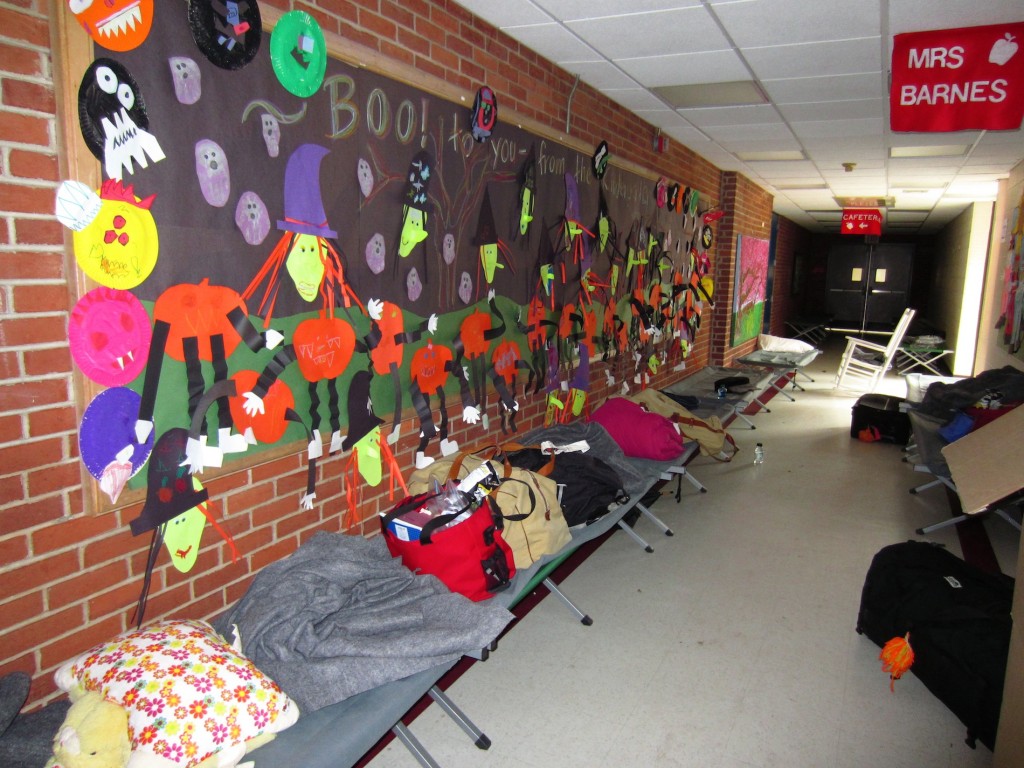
{"x": 94, "y": 735}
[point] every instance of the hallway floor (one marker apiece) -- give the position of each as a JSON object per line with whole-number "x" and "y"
{"x": 732, "y": 645}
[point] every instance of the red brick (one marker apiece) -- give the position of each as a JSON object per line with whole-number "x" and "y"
{"x": 22, "y": 608}
{"x": 33, "y": 393}
{"x": 37, "y": 298}
{"x": 76, "y": 589}
{"x": 10, "y": 367}
{"x": 167, "y": 602}
{"x": 12, "y": 490}
{"x": 70, "y": 533}
{"x": 26, "y": 95}
{"x": 249, "y": 498}
{"x": 113, "y": 601}
{"x": 25, "y": 129}
{"x": 33, "y": 575}
{"x": 52, "y": 421}
{"x": 34, "y": 165}
{"x": 38, "y": 231}
{"x": 13, "y": 549}
{"x": 22, "y": 515}
{"x": 56, "y": 652}
{"x": 272, "y": 553}
{"x": 278, "y": 467}
{"x": 11, "y": 429}
{"x": 23, "y": 331}
{"x": 43, "y": 362}
{"x": 31, "y": 455}
{"x": 24, "y": 265}
{"x": 21, "y": 26}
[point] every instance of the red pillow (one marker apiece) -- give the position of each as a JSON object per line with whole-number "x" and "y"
{"x": 639, "y": 433}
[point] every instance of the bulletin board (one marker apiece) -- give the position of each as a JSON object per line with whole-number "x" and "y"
{"x": 243, "y": 164}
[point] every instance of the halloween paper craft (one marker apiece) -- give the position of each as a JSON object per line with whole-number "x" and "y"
{"x": 527, "y": 194}
{"x": 228, "y": 32}
{"x": 386, "y": 344}
{"x": 429, "y": 369}
{"x": 506, "y": 361}
{"x": 170, "y": 492}
{"x": 267, "y": 425}
{"x": 194, "y": 323}
{"x": 599, "y": 162}
{"x": 476, "y": 332}
{"x": 573, "y": 230}
{"x": 252, "y": 218}
{"x": 489, "y": 243}
{"x": 298, "y": 53}
{"x": 213, "y": 172}
{"x": 115, "y": 236}
{"x": 186, "y": 79}
{"x": 109, "y": 334}
{"x": 323, "y": 349}
{"x": 370, "y": 453}
{"x": 113, "y": 118}
{"x": 117, "y": 25}
{"x": 107, "y": 442}
{"x": 305, "y": 249}
{"x": 485, "y": 114}
{"x": 416, "y": 207}
{"x": 537, "y": 330}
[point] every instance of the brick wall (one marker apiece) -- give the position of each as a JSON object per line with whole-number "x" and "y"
{"x": 791, "y": 241}
{"x": 70, "y": 580}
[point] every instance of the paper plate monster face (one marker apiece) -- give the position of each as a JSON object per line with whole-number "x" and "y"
{"x": 228, "y": 32}
{"x": 109, "y": 334}
{"x": 298, "y": 53}
{"x": 117, "y": 25}
{"x": 106, "y": 439}
{"x": 119, "y": 247}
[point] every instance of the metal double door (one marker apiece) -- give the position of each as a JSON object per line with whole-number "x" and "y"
{"x": 868, "y": 284}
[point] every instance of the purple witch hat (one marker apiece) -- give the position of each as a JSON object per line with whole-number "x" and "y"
{"x": 303, "y": 204}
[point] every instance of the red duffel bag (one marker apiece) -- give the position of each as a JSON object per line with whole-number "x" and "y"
{"x": 469, "y": 556}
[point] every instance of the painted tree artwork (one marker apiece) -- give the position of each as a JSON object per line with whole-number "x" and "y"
{"x": 749, "y": 293}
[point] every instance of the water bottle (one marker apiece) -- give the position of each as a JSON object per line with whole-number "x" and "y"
{"x": 722, "y": 392}
{"x": 759, "y": 454}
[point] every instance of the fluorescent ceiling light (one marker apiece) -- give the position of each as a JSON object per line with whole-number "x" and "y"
{"x": 938, "y": 150}
{"x": 737, "y": 93}
{"x": 801, "y": 187}
{"x": 866, "y": 202}
{"x": 772, "y": 155}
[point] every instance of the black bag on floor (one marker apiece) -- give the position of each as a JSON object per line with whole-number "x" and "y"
{"x": 958, "y": 617}
{"x": 586, "y": 483}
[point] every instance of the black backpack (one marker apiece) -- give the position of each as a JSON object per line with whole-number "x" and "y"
{"x": 586, "y": 484}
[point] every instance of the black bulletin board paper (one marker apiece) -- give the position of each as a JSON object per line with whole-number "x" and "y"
{"x": 358, "y": 116}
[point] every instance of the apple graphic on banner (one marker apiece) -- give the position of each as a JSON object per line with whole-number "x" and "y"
{"x": 1002, "y": 50}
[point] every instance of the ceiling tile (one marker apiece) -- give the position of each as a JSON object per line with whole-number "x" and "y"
{"x": 833, "y": 110}
{"x": 839, "y": 57}
{"x": 588, "y": 9}
{"x": 865, "y": 126}
{"x": 757, "y": 131}
{"x": 683, "y": 30}
{"x": 916, "y": 15}
{"x": 778, "y": 22}
{"x": 686, "y": 68}
{"x": 507, "y": 12}
{"x": 600, "y": 74}
{"x": 719, "y": 116}
{"x": 554, "y": 42}
{"x": 634, "y": 98}
{"x": 803, "y": 90}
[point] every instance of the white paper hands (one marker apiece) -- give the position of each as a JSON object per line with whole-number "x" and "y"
{"x": 375, "y": 308}
{"x": 253, "y": 404}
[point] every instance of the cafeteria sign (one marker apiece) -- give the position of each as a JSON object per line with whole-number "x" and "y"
{"x": 861, "y": 221}
{"x": 958, "y": 79}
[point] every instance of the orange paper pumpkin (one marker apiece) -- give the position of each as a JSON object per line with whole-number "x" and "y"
{"x": 323, "y": 347}
{"x": 198, "y": 311}
{"x": 269, "y": 426}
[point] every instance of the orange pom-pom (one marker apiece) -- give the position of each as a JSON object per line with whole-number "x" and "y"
{"x": 897, "y": 657}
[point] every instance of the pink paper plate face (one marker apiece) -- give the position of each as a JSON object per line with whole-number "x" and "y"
{"x": 109, "y": 333}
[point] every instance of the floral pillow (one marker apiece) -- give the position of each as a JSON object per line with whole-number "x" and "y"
{"x": 188, "y": 694}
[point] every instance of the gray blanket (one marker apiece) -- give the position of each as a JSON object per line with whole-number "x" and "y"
{"x": 340, "y": 616}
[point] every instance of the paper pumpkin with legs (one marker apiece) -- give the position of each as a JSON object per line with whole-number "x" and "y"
{"x": 538, "y": 330}
{"x": 429, "y": 368}
{"x": 192, "y": 324}
{"x": 386, "y": 344}
{"x": 370, "y": 455}
{"x": 113, "y": 118}
{"x": 476, "y": 332}
{"x": 115, "y": 236}
{"x": 117, "y": 25}
{"x": 506, "y": 362}
{"x": 305, "y": 249}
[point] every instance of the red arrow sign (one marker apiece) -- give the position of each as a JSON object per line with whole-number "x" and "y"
{"x": 861, "y": 221}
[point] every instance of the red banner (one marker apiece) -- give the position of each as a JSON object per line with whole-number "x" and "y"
{"x": 958, "y": 79}
{"x": 861, "y": 221}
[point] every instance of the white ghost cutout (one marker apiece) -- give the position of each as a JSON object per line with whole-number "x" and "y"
{"x": 271, "y": 133}
{"x": 465, "y": 288}
{"x": 212, "y": 172}
{"x": 187, "y": 79}
{"x": 365, "y": 176}
{"x": 448, "y": 248}
{"x": 413, "y": 284}
{"x": 252, "y": 218}
{"x": 375, "y": 252}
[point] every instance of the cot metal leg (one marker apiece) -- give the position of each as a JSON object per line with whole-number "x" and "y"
{"x": 418, "y": 751}
{"x": 1006, "y": 516}
{"x": 553, "y": 588}
{"x": 635, "y": 536}
{"x": 479, "y": 737}
{"x": 655, "y": 519}
{"x": 782, "y": 390}
{"x": 743, "y": 417}
{"x": 683, "y": 472}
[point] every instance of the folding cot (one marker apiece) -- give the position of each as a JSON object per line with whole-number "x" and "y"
{"x": 340, "y": 734}
{"x": 701, "y": 385}
{"x": 787, "y": 358}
